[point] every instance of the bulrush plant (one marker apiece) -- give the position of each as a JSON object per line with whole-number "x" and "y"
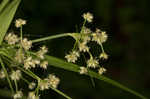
{"x": 18, "y": 60}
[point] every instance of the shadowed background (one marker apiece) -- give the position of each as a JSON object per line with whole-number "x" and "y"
{"x": 127, "y": 23}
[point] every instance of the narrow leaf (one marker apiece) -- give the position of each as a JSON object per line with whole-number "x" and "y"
{"x": 72, "y": 67}
{"x": 6, "y": 15}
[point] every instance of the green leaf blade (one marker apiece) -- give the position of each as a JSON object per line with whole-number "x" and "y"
{"x": 75, "y": 68}
{"x": 7, "y": 12}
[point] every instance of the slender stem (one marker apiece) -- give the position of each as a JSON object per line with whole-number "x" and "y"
{"x": 21, "y": 34}
{"x": 52, "y": 37}
{"x": 37, "y": 89}
{"x": 16, "y": 85}
{"x": 83, "y": 26}
{"x": 28, "y": 73}
{"x": 25, "y": 80}
{"x": 92, "y": 80}
{"x": 10, "y": 85}
{"x": 102, "y": 47}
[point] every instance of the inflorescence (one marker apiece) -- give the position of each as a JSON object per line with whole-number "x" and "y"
{"x": 21, "y": 60}
{"x": 81, "y": 46}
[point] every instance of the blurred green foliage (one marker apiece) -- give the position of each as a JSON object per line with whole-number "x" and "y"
{"x": 127, "y": 23}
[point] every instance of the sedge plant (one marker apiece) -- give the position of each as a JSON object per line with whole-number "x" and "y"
{"x": 18, "y": 60}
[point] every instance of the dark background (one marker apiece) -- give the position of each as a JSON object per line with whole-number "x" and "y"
{"x": 127, "y": 23}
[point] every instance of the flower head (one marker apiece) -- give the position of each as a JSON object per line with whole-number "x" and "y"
{"x": 83, "y": 70}
{"x": 32, "y": 85}
{"x": 32, "y": 95}
{"x": 20, "y": 22}
{"x": 43, "y": 84}
{"x": 93, "y": 63}
{"x": 26, "y": 44}
{"x": 88, "y": 16}
{"x": 53, "y": 80}
{"x": 19, "y": 56}
{"x": 44, "y": 64}
{"x": 72, "y": 57}
{"x": 15, "y": 75}
{"x": 2, "y": 74}
{"x": 18, "y": 95}
{"x": 103, "y": 55}
{"x": 99, "y": 37}
{"x": 29, "y": 62}
{"x": 43, "y": 50}
{"x": 83, "y": 47}
{"x": 11, "y": 38}
{"x": 101, "y": 70}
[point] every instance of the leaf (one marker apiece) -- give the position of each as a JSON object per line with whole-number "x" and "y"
{"x": 7, "y": 12}
{"x": 75, "y": 68}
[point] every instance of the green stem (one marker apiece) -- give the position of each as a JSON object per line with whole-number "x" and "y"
{"x": 52, "y": 37}
{"x": 16, "y": 85}
{"x": 10, "y": 85}
{"x": 25, "y": 80}
{"x": 21, "y": 34}
{"x": 102, "y": 47}
{"x": 28, "y": 73}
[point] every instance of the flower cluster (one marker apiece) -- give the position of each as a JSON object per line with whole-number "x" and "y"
{"x": 51, "y": 81}
{"x": 82, "y": 43}
{"x": 23, "y": 60}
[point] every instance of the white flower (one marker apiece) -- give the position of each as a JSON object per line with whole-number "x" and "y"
{"x": 83, "y": 47}
{"x": 18, "y": 95}
{"x": 15, "y": 75}
{"x": 2, "y": 74}
{"x": 53, "y": 80}
{"x": 26, "y": 44}
{"x": 32, "y": 85}
{"x": 72, "y": 57}
{"x": 32, "y": 95}
{"x": 86, "y": 30}
{"x": 44, "y": 64}
{"x": 19, "y": 56}
{"x": 20, "y": 22}
{"x": 11, "y": 38}
{"x": 99, "y": 37}
{"x": 44, "y": 84}
{"x": 93, "y": 63}
{"x": 101, "y": 70}
{"x": 88, "y": 16}
{"x": 29, "y": 62}
{"x": 103, "y": 55}
{"x": 83, "y": 70}
{"x": 43, "y": 50}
